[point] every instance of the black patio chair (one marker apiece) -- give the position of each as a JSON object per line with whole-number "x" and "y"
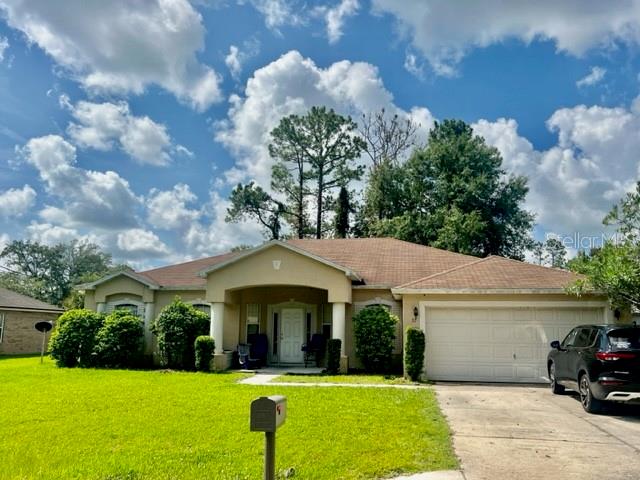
{"x": 244, "y": 357}
{"x": 314, "y": 350}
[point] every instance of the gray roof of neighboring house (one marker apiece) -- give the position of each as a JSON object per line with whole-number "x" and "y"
{"x": 17, "y": 301}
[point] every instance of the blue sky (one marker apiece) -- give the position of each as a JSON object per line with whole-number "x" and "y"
{"x": 127, "y": 123}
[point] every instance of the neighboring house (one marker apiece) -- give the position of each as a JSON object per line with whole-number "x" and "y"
{"x": 18, "y": 316}
{"x": 485, "y": 319}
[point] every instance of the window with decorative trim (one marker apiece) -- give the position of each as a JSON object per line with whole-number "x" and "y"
{"x": 1, "y": 327}
{"x": 127, "y": 306}
{"x": 253, "y": 318}
{"x": 135, "y": 307}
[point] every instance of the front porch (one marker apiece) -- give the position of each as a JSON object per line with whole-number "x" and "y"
{"x": 286, "y": 317}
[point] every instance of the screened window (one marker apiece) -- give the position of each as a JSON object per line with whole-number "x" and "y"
{"x": 203, "y": 307}
{"x": 1, "y": 327}
{"x": 253, "y": 319}
{"x": 128, "y": 306}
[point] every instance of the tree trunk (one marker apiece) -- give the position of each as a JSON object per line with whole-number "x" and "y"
{"x": 319, "y": 204}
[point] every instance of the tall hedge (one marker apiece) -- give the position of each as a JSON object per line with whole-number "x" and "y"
{"x": 176, "y": 328}
{"x": 374, "y": 331}
{"x": 204, "y": 347}
{"x": 333, "y": 355}
{"x": 120, "y": 340}
{"x": 73, "y": 340}
{"x": 414, "y": 353}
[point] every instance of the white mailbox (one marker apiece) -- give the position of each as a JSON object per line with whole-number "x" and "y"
{"x": 268, "y": 413}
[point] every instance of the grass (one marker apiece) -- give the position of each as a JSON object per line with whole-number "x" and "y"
{"x": 129, "y": 425}
{"x": 361, "y": 379}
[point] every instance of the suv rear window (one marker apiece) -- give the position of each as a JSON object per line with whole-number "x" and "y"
{"x": 624, "y": 338}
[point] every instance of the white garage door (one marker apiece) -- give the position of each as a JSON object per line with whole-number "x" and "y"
{"x": 497, "y": 344}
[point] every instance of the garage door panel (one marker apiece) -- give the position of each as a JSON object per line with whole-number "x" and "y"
{"x": 497, "y": 344}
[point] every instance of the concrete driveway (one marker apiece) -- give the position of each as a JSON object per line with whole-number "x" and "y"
{"x": 526, "y": 433}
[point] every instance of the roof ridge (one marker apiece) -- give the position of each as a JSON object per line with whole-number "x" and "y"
{"x": 523, "y": 262}
{"x": 444, "y": 272}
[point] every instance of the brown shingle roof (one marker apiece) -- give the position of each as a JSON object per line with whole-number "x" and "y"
{"x": 11, "y": 299}
{"x": 387, "y": 262}
{"x": 496, "y": 273}
{"x": 185, "y": 274}
{"x": 384, "y": 261}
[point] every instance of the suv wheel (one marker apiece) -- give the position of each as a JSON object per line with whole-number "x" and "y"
{"x": 590, "y": 404}
{"x": 555, "y": 387}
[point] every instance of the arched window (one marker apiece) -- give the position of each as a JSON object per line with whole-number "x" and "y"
{"x": 128, "y": 306}
{"x": 203, "y": 307}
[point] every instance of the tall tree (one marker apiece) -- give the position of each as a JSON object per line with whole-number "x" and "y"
{"x": 344, "y": 209}
{"x": 251, "y": 201}
{"x": 456, "y": 195}
{"x": 50, "y": 272}
{"x": 556, "y": 252}
{"x": 625, "y": 216}
{"x": 539, "y": 254}
{"x": 328, "y": 145}
{"x": 387, "y": 137}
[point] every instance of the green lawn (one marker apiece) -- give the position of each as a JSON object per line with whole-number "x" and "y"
{"x": 112, "y": 425}
{"x": 363, "y": 379}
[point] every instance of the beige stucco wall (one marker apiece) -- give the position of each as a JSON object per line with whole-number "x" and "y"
{"x": 119, "y": 285}
{"x": 295, "y": 269}
{"x": 20, "y": 336}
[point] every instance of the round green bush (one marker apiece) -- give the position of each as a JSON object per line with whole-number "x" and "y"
{"x": 72, "y": 341}
{"x": 204, "y": 347}
{"x": 374, "y": 331}
{"x": 333, "y": 355}
{"x": 414, "y": 353}
{"x": 176, "y": 328}
{"x": 119, "y": 342}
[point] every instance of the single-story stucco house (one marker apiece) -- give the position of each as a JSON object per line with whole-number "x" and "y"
{"x": 18, "y": 316}
{"x": 488, "y": 319}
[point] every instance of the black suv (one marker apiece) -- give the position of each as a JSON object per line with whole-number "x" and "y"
{"x": 600, "y": 362}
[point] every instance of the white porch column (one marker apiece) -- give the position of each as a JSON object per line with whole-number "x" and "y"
{"x": 100, "y": 307}
{"x": 149, "y": 315}
{"x": 217, "y": 325}
{"x": 339, "y": 327}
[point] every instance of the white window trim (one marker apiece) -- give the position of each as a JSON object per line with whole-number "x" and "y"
{"x": 2, "y": 326}
{"x": 200, "y": 301}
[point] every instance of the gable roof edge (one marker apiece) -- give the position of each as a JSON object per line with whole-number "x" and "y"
{"x": 132, "y": 275}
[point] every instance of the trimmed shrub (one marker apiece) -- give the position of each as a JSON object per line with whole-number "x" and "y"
{"x": 374, "y": 331}
{"x": 414, "y": 353}
{"x": 177, "y": 327}
{"x": 73, "y": 340}
{"x": 119, "y": 341}
{"x": 333, "y": 355}
{"x": 204, "y": 347}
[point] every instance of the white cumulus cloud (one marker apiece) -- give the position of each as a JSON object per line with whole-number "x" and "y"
{"x": 88, "y": 197}
{"x": 335, "y": 17}
{"x": 445, "y": 31}
{"x": 169, "y": 209}
{"x": 122, "y": 47}
{"x": 594, "y": 77}
{"x": 15, "y": 202}
{"x": 4, "y": 44}
{"x": 138, "y": 242}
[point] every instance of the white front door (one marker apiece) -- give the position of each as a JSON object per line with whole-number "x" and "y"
{"x": 292, "y": 335}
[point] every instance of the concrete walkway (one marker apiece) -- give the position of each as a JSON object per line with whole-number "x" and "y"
{"x": 440, "y": 475}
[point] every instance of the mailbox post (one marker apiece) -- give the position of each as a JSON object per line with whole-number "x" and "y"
{"x": 267, "y": 414}
{"x": 43, "y": 327}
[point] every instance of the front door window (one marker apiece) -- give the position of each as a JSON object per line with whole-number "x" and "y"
{"x": 292, "y": 335}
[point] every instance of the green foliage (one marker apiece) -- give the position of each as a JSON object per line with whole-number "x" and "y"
{"x": 556, "y": 252}
{"x": 49, "y": 273}
{"x": 613, "y": 269}
{"x": 414, "y": 353}
{"x": 344, "y": 208}
{"x": 626, "y": 215}
{"x": 333, "y": 355}
{"x": 177, "y": 327}
{"x": 315, "y": 154}
{"x": 453, "y": 194}
{"x": 73, "y": 339}
{"x": 119, "y": 341}
{"x": 251, "y": 201}
{"x": 204, "y": 347}
{"x": 374, "y": 331}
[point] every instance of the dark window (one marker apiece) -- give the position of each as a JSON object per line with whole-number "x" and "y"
{"x": 624, "y": 338}
{"x": 252, "y": 328}
{"x": 275, "y": 334}
{"x": 326, "y": 330}
{"x": 585, "y": 337}
{"x": 128, "y": 306}
{"x": 203, "y": 307}
{"x": 569, "y": 339}
{"x": 308, "y": 327}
